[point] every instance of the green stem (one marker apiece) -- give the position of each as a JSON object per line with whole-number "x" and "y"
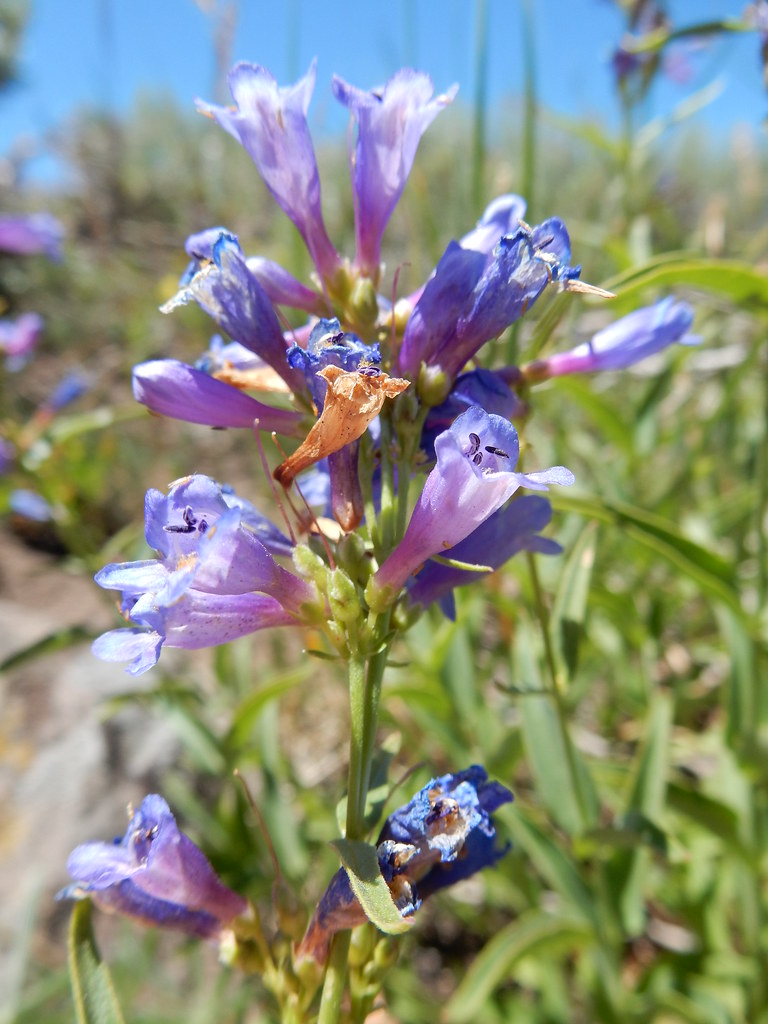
{"x": 335, "y": 979}
{"x": 359, "y": 714}
{"x": 557, "y": 695}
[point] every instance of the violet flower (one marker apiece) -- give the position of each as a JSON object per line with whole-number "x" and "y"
{"x": 172, "y": 388}
{"x": 474, "y": 476}
{"x": 155, "y": 875}
{"x": 390, "y": 123}
{"x": 473, "y": 297}
{"x": 221, "y": 284}
{"x": 19, "y": 338}
{"x": 624, "y": 342}
{"x": 443, "y": 835}
{"x": 215, "y": 579}
{"x": 512, "y": 529}
{"x": 270, "y": 123}
{"x": 31, "y": 234}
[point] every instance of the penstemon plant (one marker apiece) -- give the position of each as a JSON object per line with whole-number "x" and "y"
{"x": 404, "y": 483}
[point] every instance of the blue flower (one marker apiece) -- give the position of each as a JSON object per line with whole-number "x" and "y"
{"x": 473, "y": 296}
{"x": 155, "y": 875}
{"x": 329, "y": 345}
{"x": 442, "y": 836}
{"x": 216, "y": 578}
{"x": 220, "y": 282}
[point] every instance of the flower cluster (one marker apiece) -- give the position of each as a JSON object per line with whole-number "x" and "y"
{"x": 401, "y": 483}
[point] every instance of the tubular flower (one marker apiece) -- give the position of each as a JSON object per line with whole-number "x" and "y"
{"x": 512, "y": 529}
{"x": 390, "y": 123}
{"x": 622, "y": 343}
{"x": 271, "y": 124}
{"x": 442, "y": 836}
{"x": 221, "y": 283}
{"x": 155, "y": 875}
{"x": 472, "y": 297}
{"x": 216, "y": 578}
{"x": 474, "y": 476}
{"x": 172, "y": 388}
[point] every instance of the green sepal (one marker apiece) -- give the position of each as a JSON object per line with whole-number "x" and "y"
{"x": 362, "y": 866}
{"x": 92, "y": 990}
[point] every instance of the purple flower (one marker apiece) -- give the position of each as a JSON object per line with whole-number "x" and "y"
{"x": 271, "y": 124}
{"x": 19, "y": 338}
{"x": 502, "y": 216}
{"x": 473, "y": 297}
{"x": 30, "y": 234}
{"x": 7, "y": 455}
{"x": 221, "y": 284}
{"x": 390, "y": 123}
{"x": 484, "y": 388}
{"x": 215, "y": 578}
{"x": 172, "y": 388}
{"x": 622, "y": 343}
{"x": 474, "y": 476}
{"x": 510, "y": 530}
{"x": 282, "y": 288}
{"x": 442, "y": 836}
{"x": 156, "y": 875}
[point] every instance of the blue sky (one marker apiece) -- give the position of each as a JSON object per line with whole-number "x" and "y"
{"x": 103, "y": 52}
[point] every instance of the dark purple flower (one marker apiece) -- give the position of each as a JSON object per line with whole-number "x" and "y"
{"x": 474, "y": 476}
{"x": 473, "y": 297}
{"x": 155, "y": 875}
{"x": 215, "y": 578}
{"x": 624, "y": 342}
{"x": 390, "y": 123}
{"x": 271, "y": 124}
{"x": 221, "y": 284}
{"x": 512, "y": 529}
{"x": 30, "y": 234}
{"x": 442, "y": 836}
{"x": 172, "y": 388}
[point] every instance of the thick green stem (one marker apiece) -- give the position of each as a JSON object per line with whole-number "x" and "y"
{"x": 335, "y": 980}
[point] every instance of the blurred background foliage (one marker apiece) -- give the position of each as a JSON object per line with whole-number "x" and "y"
{"x": 633, "y": 729}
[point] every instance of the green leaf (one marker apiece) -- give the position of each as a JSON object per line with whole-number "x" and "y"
{"x": 250, "y": 709}
{"x": 555, "y": 866}
{"x": 362, "y": 867}
{"x": 534, "y": 934}
{"x": 92, "y": 989}
{"x": 58, "y": 641}
{"x": 711, "y": 572}
{"x": 570, "y": 606}
{"x": 645, "y": 805}
{"x": 734, "y": 279}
